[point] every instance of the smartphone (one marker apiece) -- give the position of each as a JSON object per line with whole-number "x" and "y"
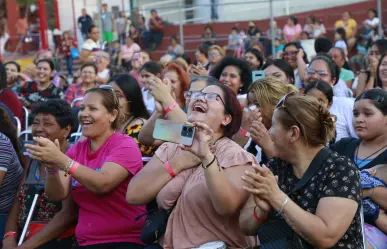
{"x": 257, "y": 75}
{"x": 169, "y": 131}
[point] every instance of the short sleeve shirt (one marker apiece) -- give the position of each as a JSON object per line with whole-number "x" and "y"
{"x": 10, "y": 164}
{"x": 85, "y": 22}
{"x": 107, "y": 22}
{"x": 31, "y": 93}
{"x": 337, "y": 177}
{"x": 349, "y": 26}
{"x": 107, "y": 218}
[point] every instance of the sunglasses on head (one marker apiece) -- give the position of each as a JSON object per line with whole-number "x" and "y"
{"x": 110, "y": 89}
{"x": 282, "y": 104}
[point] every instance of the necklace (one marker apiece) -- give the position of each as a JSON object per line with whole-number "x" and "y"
{"x": 357, "y": 152}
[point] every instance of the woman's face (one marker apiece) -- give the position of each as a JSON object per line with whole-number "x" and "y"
{"x": 231, "y": 78}
{"x": 383, "y": 70}
{"x": 368, "y": 121}
{"x": 277, "y": 73}
{"x": 253, "y": 62}
{"x": 214, "y": 56}
{"x": 279, "y": 135}
{"x": 124, "y": 102}
{"x": 266, "y": 111}
{"x": 94, "y": 35}
{"x": 199, "y": 56}
{"x": 175, "y": 82}
{"x": 375, "y": 53}
{"x": 11, "y": 70}
{"x": 210, "y": 112}
{"x": 320, "y": 96}
{"x": 318, "y": 70}
{"x": 45, "y": 125}
{"x": 290, "y": 55}
{"x": 43, "y": 72}
{"x": 290, "y": 22}
{"x": 337, "y": 57}
{"x": 94, "y": 117}
{"x": 146, "y": 78}
{"x": 196, "y": 86}
{"x": 88, "y": 75}
{"x": 66, "y": 35}
{"x": 129, "y": 41}
{"x": 371, "y": 15}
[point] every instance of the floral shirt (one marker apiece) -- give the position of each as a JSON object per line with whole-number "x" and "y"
{"x": 133, "y": 131}
{"x": 31, "y": 93}
{"x": 337, "y": 177}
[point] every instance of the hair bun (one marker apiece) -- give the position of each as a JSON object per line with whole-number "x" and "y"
{"x": 327, "y": 121}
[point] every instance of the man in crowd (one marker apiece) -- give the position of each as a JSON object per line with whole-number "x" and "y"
{"x": 84, "y": 23}
{"x": 107, "y": 24}
{"x": 155, "y": 33}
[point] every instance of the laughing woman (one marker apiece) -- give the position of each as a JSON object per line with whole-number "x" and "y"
{"x": 203, "y": 179}
{"x": 96, "y": 172}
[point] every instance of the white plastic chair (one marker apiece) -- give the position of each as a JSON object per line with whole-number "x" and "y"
{"x": 26, "y": 115}
{"x": 25, "y": 133}
{"x": 76, "y": 101}
{"x": 18, "y": 125}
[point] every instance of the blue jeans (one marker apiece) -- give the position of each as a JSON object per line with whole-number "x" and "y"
{"x": 154, "y": 37}
{"x": 69, "y": 64}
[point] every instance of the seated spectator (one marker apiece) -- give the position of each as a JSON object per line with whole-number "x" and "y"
{"x": 292, "y": 30}
{"x": 372, "y": 22}
{"x": 155, "y": 33}
{"x": 341, "y": 40}
{"x": 138, "y": 60}
{"x": 350, "y": 26}
{"x": 279, "y": 69}
{"x": 301, "y": 128}
{"x": 8, "y": 97}
{"x": 134, "y": 34}
{"x": 309, "y": 25}
{"x": 11, "y": 169}
{"x": 102, "y": 61}
{"x": 322, "y": 45}
{"x": 100, "y": 173}
{"x": 179, "y": 80}
{"x": 134, "y": 111}
{"x": 88, "y": 77}
{"x": 175, "y": 49}
{"x": 304, "y": 36}
{"x": 254, "y": 58}
{"x": 209, "y": 36}
{"x": 148, "y": 72}
{"x": 41, "y": 89}
{"x": 319, "y": 29}
{"x": 57, "y": 79}
{"x": 127, "y": 51}
{"x": 141, "y": 27}
{"x": 218, "y": 193}
{"x": 114, "y": 52}
{"x": 201, "y": 55}
{"x": 234, "y": 40}
{"x": 52, "y": 225}
{"x": 338, "y": 56}
{"x": 368, "y": 152}
{"x": 253, "y": 34}
{"x": 135, "y": 17}
{"x": 381, "y": 77}
{"x": 15, "y": 78}
{"x": 235, "y": 74}
{"x": 215, "y": 54}
{"x": 90, "y": 45}
{"x": 294, "y": 55}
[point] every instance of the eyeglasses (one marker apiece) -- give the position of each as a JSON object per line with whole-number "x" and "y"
{"x": 282, "y": 104}
{"x": 210, "y": 54}
{"x": 107, "y": 88}
{"x": 321, "y": 73}
{"x": 208, "y": 97}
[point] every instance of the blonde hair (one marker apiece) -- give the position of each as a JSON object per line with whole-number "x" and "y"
{"x": 268, "y": 92}
{"x": 219, "y": 49}
{"x": 315, "y": 122}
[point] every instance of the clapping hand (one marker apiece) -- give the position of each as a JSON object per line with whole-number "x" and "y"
{"x": 46, "y": 151}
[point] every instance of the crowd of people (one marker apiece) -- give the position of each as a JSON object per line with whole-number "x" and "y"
{"x": 292, "y": 159}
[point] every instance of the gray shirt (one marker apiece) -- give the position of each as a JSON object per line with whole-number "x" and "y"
{"x": 107, "y": 21}
{"x": 121, "y": 25}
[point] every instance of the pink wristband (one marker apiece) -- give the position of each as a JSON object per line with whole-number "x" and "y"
{"x": 170, "y": 108}
{"x": 168, "y": 168}
{"x": 73, "y": 168}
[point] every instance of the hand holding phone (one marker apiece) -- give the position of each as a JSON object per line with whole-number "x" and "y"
{"x": 169, "y": 131}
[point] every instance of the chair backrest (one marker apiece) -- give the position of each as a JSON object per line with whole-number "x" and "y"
{"x": 26, "y": 115}
{"x": 25, "y": 133}
{"x": 18, "y": 125}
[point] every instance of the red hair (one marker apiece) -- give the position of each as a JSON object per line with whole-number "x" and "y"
{"x": 183, "y": 78}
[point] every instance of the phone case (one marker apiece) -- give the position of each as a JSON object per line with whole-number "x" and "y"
{"x": 169, "y": 131}
{"x": 257, "y": 75}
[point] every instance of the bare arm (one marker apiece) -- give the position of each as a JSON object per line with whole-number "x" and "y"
{"x": 379, "y": 196}
{"x": 301, "y": 65}
{"x": 247, "y": 223}
{"x": 363, "y": 83}
{"x": 225, "y": 186}
{"x": 325, "y": 228}
{"x": 84, "y": 56}
{"x": 2, "y": 174}
{"x": 62, "y": 221}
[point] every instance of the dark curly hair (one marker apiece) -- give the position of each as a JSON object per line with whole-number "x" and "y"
{"x": 58, "y": 108}
{"x": 244, "y": 71}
